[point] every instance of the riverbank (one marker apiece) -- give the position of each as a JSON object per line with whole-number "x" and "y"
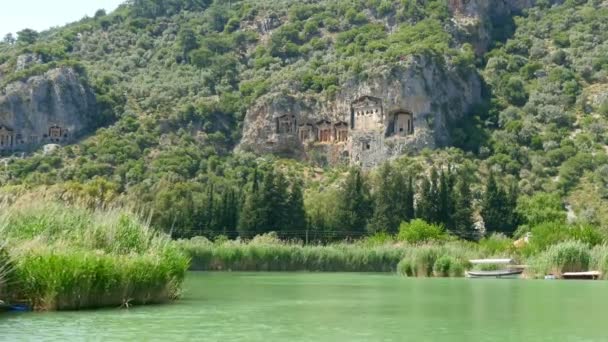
{"x": 429, "y": 259}
{"x": 60, "y": 257}
{"x": 267, "y": 253}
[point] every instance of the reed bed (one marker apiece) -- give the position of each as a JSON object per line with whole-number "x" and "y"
{"x": 69, "y": 258}
{"x": 255, "y": 256}
{"x": 447, "y": 260}
{"x": 266, "y": 253}
{"x": 569, "y": 256}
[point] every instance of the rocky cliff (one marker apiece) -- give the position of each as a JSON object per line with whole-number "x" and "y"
{"x": 54, "y": 107}
{"x": 474, "y": 20}
{"x": 403, "y": 108}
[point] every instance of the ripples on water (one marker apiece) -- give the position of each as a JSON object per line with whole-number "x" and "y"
{"x": 339, "y": 307}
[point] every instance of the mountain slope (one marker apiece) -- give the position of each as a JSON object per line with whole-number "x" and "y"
{"x": 179, "y": 84}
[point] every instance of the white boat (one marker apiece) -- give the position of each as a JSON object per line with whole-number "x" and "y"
{"x": 495, "y": 274}
{"x": 508, "y": 272}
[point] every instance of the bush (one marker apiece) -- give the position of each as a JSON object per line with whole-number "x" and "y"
{"x": 551, "y": 233}
{"x": 496, "y": 245}
{"x": 448, "y": 266}
{"x": 418, "y": 231}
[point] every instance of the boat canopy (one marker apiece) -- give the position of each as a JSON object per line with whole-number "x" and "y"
{"x": 491, "y": 261}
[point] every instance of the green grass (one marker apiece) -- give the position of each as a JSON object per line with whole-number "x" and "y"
{"x": 69, "y": 258}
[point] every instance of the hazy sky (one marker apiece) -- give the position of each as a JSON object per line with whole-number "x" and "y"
{"x": 43, "y": 14}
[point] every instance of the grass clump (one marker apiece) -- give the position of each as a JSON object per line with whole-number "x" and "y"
{"x": 569, "y": 256}
{"x": 68, "y": 258}
{"x": 599, "y": 260}
{"x": 448, "y": 260}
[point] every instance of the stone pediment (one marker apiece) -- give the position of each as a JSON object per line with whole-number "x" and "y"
{"x": 366, "y": 102}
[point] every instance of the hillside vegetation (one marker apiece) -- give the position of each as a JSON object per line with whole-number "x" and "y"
{"x": 174, "y": 80}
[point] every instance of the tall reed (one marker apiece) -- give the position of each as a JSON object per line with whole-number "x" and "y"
{"x": 67, "y": 257}
{"x": 259, "y": 255}
{"x": 445, "y": 260}
{"x": 569, "y": 256}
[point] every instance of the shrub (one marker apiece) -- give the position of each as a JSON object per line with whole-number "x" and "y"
{"x": 418, "y": 231}
{"x": 495, "y": 245}
{"x": 378, "y": 239}
{"x": 448, "y": 266}
{"x": 551, "y": 233}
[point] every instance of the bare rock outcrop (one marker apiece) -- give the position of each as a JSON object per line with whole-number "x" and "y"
{"x": 404, "y": 108}
{"x": 51, "y": 108}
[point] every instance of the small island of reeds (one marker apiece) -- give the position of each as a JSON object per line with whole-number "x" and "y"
{"x": 59, "y": 257}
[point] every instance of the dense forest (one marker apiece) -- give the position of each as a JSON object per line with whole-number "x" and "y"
{"x": 174, "y": 79}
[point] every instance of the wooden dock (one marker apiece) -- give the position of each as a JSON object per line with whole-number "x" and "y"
{"x": 591, "y": 275}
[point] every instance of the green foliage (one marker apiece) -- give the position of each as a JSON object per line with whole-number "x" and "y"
{"x": 393, "y": 200}
{"x": 354, "y": 206}
{"x": 551, "y": 233}
{"x": 498, "y": 208}
{"x": 496, "y": 245}
{"x": 419, "y": 231}
{"x": 541, "y": 208}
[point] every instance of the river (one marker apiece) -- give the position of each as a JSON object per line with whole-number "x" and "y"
{"x": 339, "y": 307}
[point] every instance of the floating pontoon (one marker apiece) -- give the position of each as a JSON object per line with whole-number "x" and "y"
{"x": 592, "y": 275}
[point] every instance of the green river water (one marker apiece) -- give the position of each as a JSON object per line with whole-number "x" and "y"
{"x": 339, "y": 307}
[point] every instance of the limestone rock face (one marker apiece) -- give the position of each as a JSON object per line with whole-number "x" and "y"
{"x": 471, "y": 18}
{"x": 403, "y": 108}
{"x": 52, "y": 108}
{"x": 27, "y": 60}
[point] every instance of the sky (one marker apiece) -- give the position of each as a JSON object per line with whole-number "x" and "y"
{"x": 43, "y": 14}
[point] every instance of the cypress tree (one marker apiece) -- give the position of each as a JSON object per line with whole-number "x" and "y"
{"x": 498, "y": 208}
{"x": 297, "y": 214}
{"x": 354, "y": 208}
{"x": 428, "y": 206}
{"x": 250, "y": 222}
{"x": 384, "y": 213}
{"x": 462, "y": 217}
{"x": 409, "y": 211}
{"x": 445, "y": 200}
